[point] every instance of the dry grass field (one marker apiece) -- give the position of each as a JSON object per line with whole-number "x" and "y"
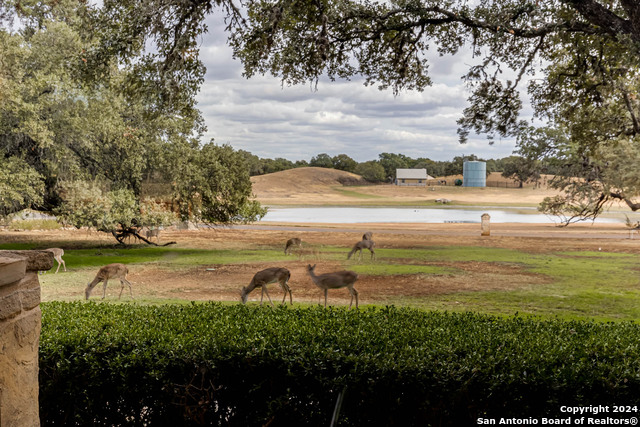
{"x": 319, "y": 186}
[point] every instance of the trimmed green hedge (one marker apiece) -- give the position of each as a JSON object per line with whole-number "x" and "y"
{"x": 214, "y": 364}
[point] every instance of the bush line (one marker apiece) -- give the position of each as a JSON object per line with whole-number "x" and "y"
{"x": 214, "y": 364}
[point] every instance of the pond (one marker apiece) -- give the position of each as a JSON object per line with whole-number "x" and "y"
{"x": 336, "y": 215}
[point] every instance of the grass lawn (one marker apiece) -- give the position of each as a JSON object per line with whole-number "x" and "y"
{"x": 600, "y": 285}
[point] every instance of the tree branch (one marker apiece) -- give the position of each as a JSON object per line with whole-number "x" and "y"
{"x": 632, "y": 205}
{"x": 605, "y": 19}
{"x": 634, "y": 118}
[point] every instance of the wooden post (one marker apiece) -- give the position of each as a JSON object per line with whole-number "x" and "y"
{"x": 485, "y": 225}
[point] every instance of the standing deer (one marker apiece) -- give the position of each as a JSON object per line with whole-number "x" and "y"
{"x": 153, "y": 233}
{"x": 363, "y": 244}
{"x": 291, "y": 243}
{"x": 111, "y": 271}
{"x": 57, "y": 255}
{"x": 367, "y": 236}
{"x": 262, "y": 278}
{"x": 337, "y": 280}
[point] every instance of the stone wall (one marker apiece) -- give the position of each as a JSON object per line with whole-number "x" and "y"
{"x": 20, "y": 321}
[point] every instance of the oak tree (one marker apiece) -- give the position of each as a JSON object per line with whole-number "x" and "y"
{"x": 83, "y": 98}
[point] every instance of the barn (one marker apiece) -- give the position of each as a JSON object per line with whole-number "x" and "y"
{"x": 412, "y": 177}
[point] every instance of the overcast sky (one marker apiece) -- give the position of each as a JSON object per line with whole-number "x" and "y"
{"x": 261, "y": 116}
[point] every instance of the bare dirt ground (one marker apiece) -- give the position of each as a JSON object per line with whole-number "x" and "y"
{"x": 309, "y": 186}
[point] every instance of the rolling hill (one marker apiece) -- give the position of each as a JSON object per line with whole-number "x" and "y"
{"x": 320, "y": 186}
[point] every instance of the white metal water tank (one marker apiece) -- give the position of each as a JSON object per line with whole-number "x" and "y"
{"x": 474, "y": 174}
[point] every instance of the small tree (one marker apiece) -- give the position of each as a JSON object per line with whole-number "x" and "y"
{"x": 212, "y": 185}
{"x": 116, "y": 212}
{"x": 322, "y": 160}
{"x": 521, "y": 169}
{"x": 372, "y": 171}
{"x": 344, "y": 163}
{"x": 391, "y": 161}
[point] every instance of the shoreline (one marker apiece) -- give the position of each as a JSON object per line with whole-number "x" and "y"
{"x": 615, "y": 231}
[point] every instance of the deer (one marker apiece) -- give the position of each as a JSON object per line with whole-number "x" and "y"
{"x": 111, "y": 271}
{"x": 632, "y": 227}
{"x": 337, "y": 280}
{"x": 367, "y": 236}
{"x": 363, "y": 244}
{"x": 57, "y": 255}
{"x": 291, "y": 243}
{"x": 262, "y": 278}
{"x": 153, "y": 233}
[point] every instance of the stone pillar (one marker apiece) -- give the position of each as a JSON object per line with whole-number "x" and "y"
{"x": 20, "y": 321}
{"x": 485, "y": 225}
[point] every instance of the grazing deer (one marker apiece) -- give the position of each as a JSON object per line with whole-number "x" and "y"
{"x": 337, "y": 280}
{"x": 153, "y": 233}
{"x": 367, "y": 236}
{"x": 291, "y": 243}
{"x": 633, "y": 227}
{"x": 263, "y": 278}
{"x": 111, "y": 271}
{"x": 57, "y": 255}
{"x": 363, "y": 244}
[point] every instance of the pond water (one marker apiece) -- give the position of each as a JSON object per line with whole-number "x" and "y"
{"x": 337, "y": 215}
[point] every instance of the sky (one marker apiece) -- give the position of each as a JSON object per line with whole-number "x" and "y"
{"x": 270, "y": 120}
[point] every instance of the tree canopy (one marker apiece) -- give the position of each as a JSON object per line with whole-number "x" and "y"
{"x": 89, "y": 114}
{"x": 584, "y": 55}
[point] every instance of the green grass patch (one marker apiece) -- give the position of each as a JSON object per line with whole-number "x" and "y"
{"x": 399, "y": 269}
{"x": 168, "y": 257}
{"x": 594, "y": 285}
{"x": 457, "y": 253}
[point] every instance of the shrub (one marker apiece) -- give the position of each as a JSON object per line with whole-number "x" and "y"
{"x": 214, "y": 364}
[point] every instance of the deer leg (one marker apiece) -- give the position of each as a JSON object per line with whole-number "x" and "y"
{"x": 286, "y": 289}
{"x": 64, "y": 265}
{"x": 325, "y": 298}
{"x": 283, "y": 286}
{"x": 353, "y": 293}
{"x": 373, "y": 254}
{"x": 58, "y": 266}
{"x": 130, "y": 291}
{"x": 122, "y": 283}
{"x": 104, "y": 288}
{"x": 265, "y": 291}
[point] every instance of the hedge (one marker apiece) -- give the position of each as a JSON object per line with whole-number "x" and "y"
{"x": 237, "y": 365}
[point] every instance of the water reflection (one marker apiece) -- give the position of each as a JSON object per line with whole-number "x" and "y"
{"x": 409, "y": 215}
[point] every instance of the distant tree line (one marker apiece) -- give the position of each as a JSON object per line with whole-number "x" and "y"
{"x": 384, "y": 168}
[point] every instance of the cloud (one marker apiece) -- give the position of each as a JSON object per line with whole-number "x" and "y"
{"x": 268, "y": 119}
